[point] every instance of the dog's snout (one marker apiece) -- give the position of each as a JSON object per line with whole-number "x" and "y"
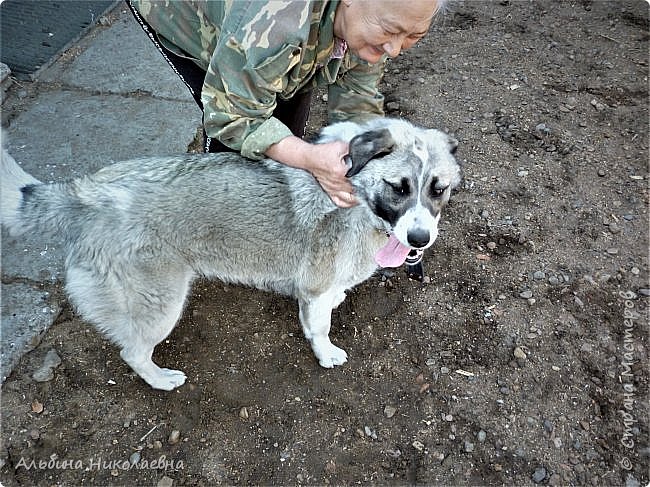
{"x": 418, "y": 238}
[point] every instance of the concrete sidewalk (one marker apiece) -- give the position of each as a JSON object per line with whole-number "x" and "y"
{"x": 110, "y": 97}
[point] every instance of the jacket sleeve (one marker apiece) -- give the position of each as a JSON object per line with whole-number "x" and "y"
{"x": 259, "y": 46}
{"x": 355, "y": 94}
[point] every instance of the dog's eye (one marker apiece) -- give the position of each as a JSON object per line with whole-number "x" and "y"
{"x": 402, "y": 188}
{"x": 438, "y": 192}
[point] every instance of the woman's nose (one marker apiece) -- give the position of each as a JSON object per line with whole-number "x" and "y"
{"x": 393, "y": 47}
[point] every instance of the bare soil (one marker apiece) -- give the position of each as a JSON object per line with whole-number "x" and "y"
{"x": 523, "y": 357}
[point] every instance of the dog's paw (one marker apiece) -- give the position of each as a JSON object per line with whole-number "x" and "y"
{"x": 330, "y": 355}
{"x": 166, "y": 379}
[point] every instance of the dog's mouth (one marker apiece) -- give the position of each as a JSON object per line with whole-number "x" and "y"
{"x": 393, "y": 254}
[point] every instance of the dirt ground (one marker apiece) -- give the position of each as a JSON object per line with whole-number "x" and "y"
{"x": 523, "y": 357}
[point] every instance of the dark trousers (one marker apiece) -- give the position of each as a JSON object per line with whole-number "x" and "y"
{"x": 294, "y": 112}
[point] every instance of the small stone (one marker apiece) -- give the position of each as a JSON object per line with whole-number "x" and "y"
{"x": 526, "y": 294}
{"x": 644, "y": 292}
{"x": 601, "y": 172}
{"x": 548, "y": 426}
{"x": 612, "y": 251}
{"x": 448, "y": 417}
{"x": 553, "y": 281}
{"x": 134, "y": 458}
{"x": 243, "y": 413}
{"x": 34, "y": 434}
{"x": 37, "y": 406}
{"x": 390, "y": 411}
{"x": 631, "y": 481}
{"x": 519, "y": 353}
{"x": 539, "y": 275}
{"x": 614, "y": 228}
{"x": 598, "y": 105}
{"x": 491, "y": 245}
{"x": 165, "y": 482}
{"x": 586, "y": 347}
{"x": 438, "y": 455}
{"x": 555, "y": 479}
{"x": 557, "y": 442}
{"x": 369, "y": 432}
{"x": 469, "y": 446}
{"x": 539, "y": 475}
{"x": 46, "y": 371}
{"x": 174, "y": 437}
{"x": 481, "y": 436}
{"x": 418, "y": 445}
{"x": 392, "y": 106}
{"x": 157, "y": 445}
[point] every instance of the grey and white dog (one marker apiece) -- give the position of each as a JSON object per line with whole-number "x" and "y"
{"x": 137, "y": 233}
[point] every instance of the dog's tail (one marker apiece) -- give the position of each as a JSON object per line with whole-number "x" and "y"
{"x": 16, "y": 187}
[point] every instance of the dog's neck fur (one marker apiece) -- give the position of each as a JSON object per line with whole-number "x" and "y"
{"x": 311, "y": 205}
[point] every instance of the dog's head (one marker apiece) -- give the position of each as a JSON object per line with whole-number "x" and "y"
{"x": 405, "y": 175}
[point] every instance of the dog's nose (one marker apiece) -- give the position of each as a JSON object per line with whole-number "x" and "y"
{"x": 418, "y": 238}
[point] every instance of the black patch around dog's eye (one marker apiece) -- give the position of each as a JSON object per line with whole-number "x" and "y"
{"x": 437, "y": 192}
{"x": 401, "y": 189}
{"x": 27, "y": 190}
{"x": 385, "y": 211}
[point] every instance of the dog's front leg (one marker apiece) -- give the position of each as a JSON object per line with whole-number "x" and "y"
{"x": 316, "y": 319}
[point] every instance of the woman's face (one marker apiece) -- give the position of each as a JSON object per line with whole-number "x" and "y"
{"x": 373, "y": 28}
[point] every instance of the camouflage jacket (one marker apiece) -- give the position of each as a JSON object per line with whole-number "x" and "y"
{"x": 254, "y": 52}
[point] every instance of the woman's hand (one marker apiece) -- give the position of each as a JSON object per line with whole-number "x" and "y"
{"x": 324, "y": 161}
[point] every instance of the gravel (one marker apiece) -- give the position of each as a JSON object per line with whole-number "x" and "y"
{"x": 46, "y": 371}
{"x": 539, "y": 475}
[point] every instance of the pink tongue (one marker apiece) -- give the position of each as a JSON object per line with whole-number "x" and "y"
{"x": 392, "y": 254}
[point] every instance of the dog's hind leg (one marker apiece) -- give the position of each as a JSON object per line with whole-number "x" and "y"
{"x": 316, "y": 319}
{"x": 137, "y": 313}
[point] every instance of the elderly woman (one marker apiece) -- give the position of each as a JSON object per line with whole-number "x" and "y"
{"x": 252, "y": 65}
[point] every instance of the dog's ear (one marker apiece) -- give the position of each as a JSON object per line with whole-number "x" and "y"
{"x": 367, "y": 146}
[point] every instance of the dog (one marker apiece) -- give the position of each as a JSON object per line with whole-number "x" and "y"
{"x": 136, "y": 233}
